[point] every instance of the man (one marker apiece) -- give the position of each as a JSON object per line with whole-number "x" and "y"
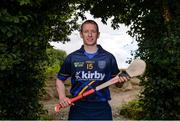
{"x": 88, "y": 67}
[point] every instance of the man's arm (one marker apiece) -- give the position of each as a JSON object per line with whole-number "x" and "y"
{"x": 63, "y": 100}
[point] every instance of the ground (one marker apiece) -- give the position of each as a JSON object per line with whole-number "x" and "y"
{"x": 118, "y": 96}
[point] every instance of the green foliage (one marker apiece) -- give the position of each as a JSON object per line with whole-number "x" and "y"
{"x": 26, "y": 26}
{"x": 55, "y": 60}
{"x": 158, "y": 45}
{"x": 162, "y": 100}
{"x": 156, "y": 27}
{"x": 55, "y": 56}
{"x": 132, "y": 110}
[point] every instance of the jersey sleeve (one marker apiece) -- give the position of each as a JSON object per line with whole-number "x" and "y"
{"x": 114, "y": 67}
{"x": 65, "y": 70}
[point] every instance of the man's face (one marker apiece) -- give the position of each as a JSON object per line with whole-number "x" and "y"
{"x": 89, "y": 34}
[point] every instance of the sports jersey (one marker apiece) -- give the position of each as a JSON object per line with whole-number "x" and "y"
{"x": 88, "y": 71}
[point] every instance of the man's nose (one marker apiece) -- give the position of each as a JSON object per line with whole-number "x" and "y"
{"x": 89, "y": 33}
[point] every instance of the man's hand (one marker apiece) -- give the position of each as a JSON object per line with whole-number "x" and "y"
{"x": 65, "y": 102}
{"x": 123, "y": 79}
{"x": 120, "y": 79}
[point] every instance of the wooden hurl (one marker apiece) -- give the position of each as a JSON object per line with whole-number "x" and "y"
{"x": 136, "y": 68}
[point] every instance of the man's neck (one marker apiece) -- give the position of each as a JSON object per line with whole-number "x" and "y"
{"x": 90, "y": 49}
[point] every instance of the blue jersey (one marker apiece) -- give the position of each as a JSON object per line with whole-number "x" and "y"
{"x": 87, "y": 71}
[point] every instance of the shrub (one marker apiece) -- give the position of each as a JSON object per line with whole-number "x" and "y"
{"x": 132, "y": 110}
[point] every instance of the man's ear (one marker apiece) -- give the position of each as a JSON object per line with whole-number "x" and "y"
{"x": 80, "y": 33}
{"x": 98, "y": 34}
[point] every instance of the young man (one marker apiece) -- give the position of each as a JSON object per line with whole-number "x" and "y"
{"x": 88, "y": 67}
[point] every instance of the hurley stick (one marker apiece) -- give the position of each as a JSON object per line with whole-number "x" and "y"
{"x": 136, "y": 68}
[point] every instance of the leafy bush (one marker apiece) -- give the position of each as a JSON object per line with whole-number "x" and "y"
{"x": 132, "y": 110}
{"x": 54, "y": 62}
{"x": 26, "y": 26}
{"x": 159, "y": 47}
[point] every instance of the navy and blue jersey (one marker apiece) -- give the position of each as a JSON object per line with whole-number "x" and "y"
{"x": 87, "y": 71}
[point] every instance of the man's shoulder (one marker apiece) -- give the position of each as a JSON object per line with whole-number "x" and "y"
{"x": 75, "y": 53}
{"x": 107, "y": 53}
{"x": 102, "y": 50}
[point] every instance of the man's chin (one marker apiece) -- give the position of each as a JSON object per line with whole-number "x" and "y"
{"x": 90, "y": 44}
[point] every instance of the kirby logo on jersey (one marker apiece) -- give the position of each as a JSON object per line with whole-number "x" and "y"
{"x": 82, "y": 75}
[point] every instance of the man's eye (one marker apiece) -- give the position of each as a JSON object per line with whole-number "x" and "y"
{"x": 85, "y": 31}
{"x": 93, "y": 31}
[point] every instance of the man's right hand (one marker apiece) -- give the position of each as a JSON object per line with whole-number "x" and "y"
{"x": 65, "y": 102}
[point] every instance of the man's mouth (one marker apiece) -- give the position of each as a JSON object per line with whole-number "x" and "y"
{"x": 89, "y": 39}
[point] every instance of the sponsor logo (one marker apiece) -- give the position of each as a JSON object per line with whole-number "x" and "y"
{"x": 78, "y": 64}
{"x": 82, "y": 75}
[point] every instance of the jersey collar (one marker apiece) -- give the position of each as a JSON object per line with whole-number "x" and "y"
{"x": 100, "y": 49}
